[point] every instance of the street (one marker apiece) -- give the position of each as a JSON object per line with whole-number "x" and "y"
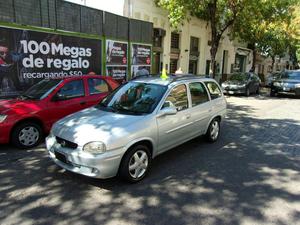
{"x": 251, "y": 175}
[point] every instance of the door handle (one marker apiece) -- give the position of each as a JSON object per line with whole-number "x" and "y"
{"x": 82, "y": 103}
{"x": 188, "y": 116}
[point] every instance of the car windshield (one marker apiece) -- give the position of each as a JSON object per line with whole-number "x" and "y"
{"x": 41, "y": 89}
{"x": 275, "y": 75}
{"x": 134, "y": 98}
{"x": 239, "y": 77}
{"x": 293, "y": 75}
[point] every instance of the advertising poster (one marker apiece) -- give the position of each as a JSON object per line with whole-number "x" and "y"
{"x": 27, "y": 57}
{"x": 140, "y": 59}
{"x": 116, "y": 60}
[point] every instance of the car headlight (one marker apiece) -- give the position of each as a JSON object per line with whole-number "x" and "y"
{"x": 2, "y": 117}
{"x": 96, "y": 147}
{"x": 223, "y": 85}
{"x": 277, "y": 84}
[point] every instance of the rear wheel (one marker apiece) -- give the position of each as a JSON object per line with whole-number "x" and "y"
{"x": 26, "y": 135}
{"x": 213, "y": 130}
{"x": 135, "y": 164}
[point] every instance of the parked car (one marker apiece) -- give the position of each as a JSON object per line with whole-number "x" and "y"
{"x": 288, "y": 83}
{"x": 140, "y": 120}
{"x": 24, "y": 120}
{"x": 272, "y": 77}
{"x": 242, "y": 83}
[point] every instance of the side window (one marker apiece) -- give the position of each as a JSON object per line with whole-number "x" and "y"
{"x": 177, "y": 98}
{"x": 198, "y": 93}
{"x": 72, "y": 89}
{"x": 213, "y": 89}
{"x": 97, "y": 86}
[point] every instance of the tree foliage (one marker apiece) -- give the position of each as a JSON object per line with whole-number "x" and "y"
{"x": 258, "y": 22}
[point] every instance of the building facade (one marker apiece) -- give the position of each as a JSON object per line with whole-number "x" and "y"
{"x": 188, "y": 47}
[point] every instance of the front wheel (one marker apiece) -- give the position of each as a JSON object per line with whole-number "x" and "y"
{"x": 272, "y": 93}
{"x": 26, "y": 135}
{"x": 213, "y": 131}
{"x": 135, "y": 164}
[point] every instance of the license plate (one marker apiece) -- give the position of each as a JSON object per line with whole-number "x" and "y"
{"x": 60, "y": 157}
{"x": 231, "y": 92}
{"x": 286, "y": 88}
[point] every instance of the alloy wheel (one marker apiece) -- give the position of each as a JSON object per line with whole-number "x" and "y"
{"x": 138, "y": 164}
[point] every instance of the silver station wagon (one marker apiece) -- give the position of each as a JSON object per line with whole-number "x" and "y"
{"x": 138, "y": 121}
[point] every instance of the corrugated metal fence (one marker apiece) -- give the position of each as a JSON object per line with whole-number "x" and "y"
{"x": 62, "y": 15}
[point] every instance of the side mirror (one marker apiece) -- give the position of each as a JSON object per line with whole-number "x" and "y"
{"x": 167, "y": 111}
{"x": 59, "y": 97}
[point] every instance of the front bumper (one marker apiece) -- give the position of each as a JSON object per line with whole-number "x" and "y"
{"x": 5, "y": 129}
{"x": 102, "y": 166}
{"x": 286, "y": 90}
{"x": 228, "y": 90}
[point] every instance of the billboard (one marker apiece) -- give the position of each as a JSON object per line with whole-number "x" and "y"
{"x": 28, "y": 56}
{"x": 116, "y": 60}
{"x": 140, "y": 59}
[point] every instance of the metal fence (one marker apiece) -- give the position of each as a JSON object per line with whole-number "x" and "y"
{"x": 62, "y": 15}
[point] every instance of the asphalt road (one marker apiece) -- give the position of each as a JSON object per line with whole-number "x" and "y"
{"x": 250, "y": 176}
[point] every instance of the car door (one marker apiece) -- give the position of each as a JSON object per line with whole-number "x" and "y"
{"x": 98, "y": 88}
{"x": 68, "y": 99}
{"x": 175, "y": 129}
{"x": 200, "y": 107}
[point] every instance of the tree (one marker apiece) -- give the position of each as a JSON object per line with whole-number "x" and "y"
{"x": 220, "y": 14}
{"x": 248, "y": 19}
{"x": 267, "y": 26}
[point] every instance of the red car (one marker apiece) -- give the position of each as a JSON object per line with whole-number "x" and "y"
{"x": 24, "y": 120}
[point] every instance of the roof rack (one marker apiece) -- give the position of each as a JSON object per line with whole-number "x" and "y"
{"x": 177, "y": 77}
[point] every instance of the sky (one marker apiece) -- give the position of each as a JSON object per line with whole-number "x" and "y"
{"x": 113, "y": 6}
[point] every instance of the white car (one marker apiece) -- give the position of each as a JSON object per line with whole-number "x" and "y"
{"x": 138, "y": 121}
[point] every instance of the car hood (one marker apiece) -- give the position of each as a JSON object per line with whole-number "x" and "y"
{"x": 93, "y": 124}
{"x": 19, "y": 106}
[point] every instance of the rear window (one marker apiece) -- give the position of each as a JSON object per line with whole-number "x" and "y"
{"x": 214, "y": 90}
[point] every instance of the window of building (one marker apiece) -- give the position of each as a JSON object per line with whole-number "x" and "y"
{"x": 173, "y": 65}
{"x": 174, "y": 40}
{"x": 198, "y": 93}
{"x": 194, "y": 45}
{"x": 177, "y": 98}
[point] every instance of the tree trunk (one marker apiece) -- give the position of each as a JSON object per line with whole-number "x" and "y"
{"x": 253, "y": 59}
{"x": 273, "y": 62}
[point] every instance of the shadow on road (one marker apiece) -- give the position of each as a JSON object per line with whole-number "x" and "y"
{"x": 252, "y": 167}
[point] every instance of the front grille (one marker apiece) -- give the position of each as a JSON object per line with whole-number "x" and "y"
{"x": 65, "y": 143}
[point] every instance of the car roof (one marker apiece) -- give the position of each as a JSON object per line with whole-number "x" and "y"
{"x": 80, "y": 77}
{"x": 172, "y": 78}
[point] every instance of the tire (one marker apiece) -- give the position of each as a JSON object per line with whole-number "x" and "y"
{"x": 138, "y": 172}
{"x": 272, "y": 93}
{"x": 257, "y": 91}
{"x": 26, "y": 135}
{"x": 213, "y": 130}
{"x": 247, "y": 92}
